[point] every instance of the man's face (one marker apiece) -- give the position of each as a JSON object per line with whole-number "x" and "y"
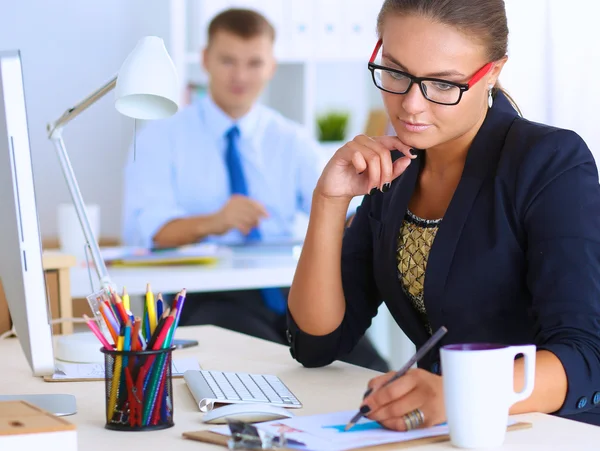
{"x": 239, "y": 69}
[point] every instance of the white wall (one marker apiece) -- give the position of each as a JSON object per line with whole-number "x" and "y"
{"x": 554, "y": 62}
{"x": 69, "y": 48}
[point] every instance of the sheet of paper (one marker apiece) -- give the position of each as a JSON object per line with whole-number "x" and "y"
{"x": 198, "y": 253}
{"x": 96, "y": 370}
{"x": 326, "y": 432}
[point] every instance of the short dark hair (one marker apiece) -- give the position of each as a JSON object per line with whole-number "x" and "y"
{"x": 244, "y": 23}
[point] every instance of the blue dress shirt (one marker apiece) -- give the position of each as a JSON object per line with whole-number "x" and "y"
{"x": 180, "y": 170}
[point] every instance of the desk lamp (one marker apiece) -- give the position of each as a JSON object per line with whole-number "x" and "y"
{"x": 147, "y": 88}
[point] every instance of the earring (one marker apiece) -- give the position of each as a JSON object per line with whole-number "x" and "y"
{"x": 490, "y": 98}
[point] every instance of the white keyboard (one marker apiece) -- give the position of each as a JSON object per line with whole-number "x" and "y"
{"x": 215, "y": 387}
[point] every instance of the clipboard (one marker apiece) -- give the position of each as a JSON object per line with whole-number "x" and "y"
{"x": 218, "y": 439}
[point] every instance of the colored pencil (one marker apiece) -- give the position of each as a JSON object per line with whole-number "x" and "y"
{"x": 126, "y": 301}
{"x": 151, "y": 308}
{"x": 94, "y": 327}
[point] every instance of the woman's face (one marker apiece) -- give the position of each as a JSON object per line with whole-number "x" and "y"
{"x": 424, "y": 48}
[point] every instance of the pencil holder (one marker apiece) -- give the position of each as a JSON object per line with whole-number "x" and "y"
{"x": 139, "y": 389}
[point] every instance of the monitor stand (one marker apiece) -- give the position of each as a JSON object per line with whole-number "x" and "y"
{"x": 60, "y": 405}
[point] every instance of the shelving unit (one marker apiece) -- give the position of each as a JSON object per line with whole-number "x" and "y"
{"x": 322, "y": 47}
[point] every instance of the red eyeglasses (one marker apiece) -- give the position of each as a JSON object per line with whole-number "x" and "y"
{"x": 435, "y": 90}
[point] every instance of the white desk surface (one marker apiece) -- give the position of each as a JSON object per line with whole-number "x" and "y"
{"x": 242, "y": 269}
{"x": 333, "y": 388}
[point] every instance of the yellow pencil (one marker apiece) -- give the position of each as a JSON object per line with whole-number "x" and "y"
{"x": 126, "y": 300}
{"x": 116, "y": 381}
{"x": 151, "y": 306}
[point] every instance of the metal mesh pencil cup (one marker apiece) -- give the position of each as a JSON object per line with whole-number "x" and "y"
{"x": 139, "y": 389}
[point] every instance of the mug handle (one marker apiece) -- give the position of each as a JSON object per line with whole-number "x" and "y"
{"x": 529, "y": 352}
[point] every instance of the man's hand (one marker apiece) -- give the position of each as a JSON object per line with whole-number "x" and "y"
{"x": 241, "y": 213}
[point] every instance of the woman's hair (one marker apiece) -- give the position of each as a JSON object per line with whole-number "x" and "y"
{"x": 244, "y": 23}
{"x": 485, "y": 20}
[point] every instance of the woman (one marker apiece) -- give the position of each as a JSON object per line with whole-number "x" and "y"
{"x": 493, "y": 231}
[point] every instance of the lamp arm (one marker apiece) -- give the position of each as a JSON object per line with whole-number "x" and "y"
{"x": 55, "y": 135}
{"x": 76, "y": 110}
{"x": 78, "y": 203}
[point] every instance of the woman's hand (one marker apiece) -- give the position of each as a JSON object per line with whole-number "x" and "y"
{"x": 361, "y": 165}
{"x": 417, "y": 389}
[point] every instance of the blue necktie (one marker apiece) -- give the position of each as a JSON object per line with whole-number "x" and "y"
{"x": 272, "y": 296}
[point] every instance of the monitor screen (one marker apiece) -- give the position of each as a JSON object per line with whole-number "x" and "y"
{"x": 21, "y": 271}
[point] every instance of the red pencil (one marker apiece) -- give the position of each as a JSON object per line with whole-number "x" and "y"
{"x": 163, "y": 333}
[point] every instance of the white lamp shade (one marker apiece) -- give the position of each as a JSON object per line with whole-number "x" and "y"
{"x": 147, "y": 85}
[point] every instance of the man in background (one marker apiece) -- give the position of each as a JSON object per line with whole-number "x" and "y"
{"x": 228, "y": 170}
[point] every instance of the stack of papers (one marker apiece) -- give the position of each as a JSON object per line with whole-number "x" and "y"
{"x": 196, "y": 254}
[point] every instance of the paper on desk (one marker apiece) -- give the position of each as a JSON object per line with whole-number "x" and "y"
{"x": 326, "y": 432}
{"x": 131, "y": 256}
{"x": 96, "y": 370}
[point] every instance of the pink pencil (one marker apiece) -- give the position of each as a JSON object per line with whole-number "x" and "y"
{"x": 93, "y": 326}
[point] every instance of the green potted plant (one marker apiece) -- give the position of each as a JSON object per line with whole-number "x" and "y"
{"x": 332, "y": 128}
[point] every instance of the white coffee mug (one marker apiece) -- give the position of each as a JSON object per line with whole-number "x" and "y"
{"x": 478, "y": 383}
{"x": 70, "y": 234}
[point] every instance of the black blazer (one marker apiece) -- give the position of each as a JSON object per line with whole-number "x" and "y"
{"x": 516, "y": 259}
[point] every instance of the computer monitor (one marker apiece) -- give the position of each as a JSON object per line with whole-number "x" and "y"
{"x": 21, "y": 271}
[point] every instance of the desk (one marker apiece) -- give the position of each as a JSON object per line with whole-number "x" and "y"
{"x": 237, "y": 269}
{"x": 333, "y": 388}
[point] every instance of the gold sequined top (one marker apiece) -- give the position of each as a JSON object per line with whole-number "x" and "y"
{"x": 414, "y": 243}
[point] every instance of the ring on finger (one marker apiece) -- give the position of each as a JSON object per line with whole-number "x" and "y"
{"x": 414, "y": 419}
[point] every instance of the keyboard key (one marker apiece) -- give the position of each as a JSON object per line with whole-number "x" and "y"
{"x": 228, "y": 390}
{"x": 266, "y": 388}
{"x": 239, "y": 387}
{"x": 212, "y": 384}
{"x": 255, "y": 391}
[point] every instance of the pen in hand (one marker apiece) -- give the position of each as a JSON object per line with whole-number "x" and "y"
{"x": 429, "y": 344}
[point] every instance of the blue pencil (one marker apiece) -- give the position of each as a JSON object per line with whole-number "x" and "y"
{"x": 159, "y": 306}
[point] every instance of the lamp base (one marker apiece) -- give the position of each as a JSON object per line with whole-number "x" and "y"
{"x": 81, "y": 347}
